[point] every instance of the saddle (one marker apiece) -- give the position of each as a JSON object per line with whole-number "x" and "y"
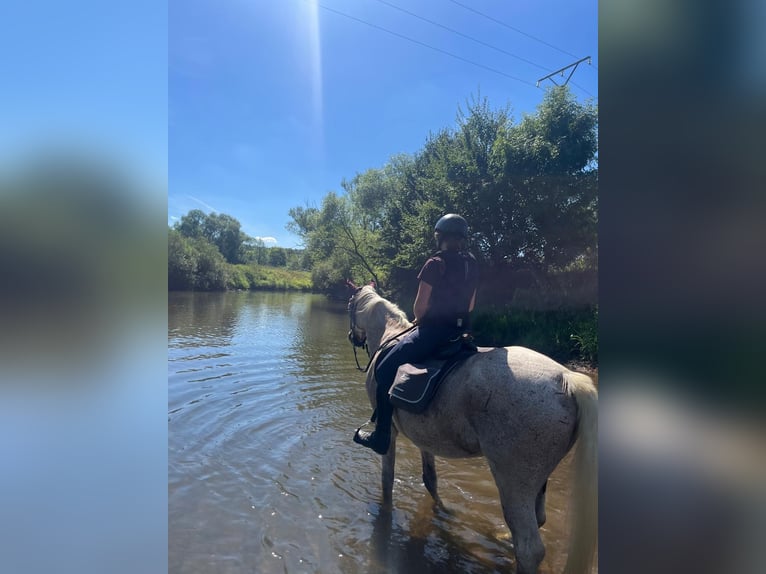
{"x": 416, "y": 384}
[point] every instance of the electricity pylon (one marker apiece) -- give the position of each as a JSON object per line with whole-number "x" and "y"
{"x": 561, "y": 71}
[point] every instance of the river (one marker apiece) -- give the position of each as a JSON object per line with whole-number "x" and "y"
{"x": 263, "y": 399}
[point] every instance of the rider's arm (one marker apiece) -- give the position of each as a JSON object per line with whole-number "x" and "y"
{"x": 421, "y": 300}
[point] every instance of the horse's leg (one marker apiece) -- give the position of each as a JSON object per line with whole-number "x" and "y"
{"x": 389, "y": 462}
{"x": 540, "y": 505}
{"x": 519, "y": 513}
{"x": 429, "y": 475}
{"x": 518, "y": 501}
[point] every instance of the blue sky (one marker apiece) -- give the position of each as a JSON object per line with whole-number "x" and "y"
{"x": 271, "y": 103}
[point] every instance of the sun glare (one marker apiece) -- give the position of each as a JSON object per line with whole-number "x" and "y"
{"x": 315, "y": 54}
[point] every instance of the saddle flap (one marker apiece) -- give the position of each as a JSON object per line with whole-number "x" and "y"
{"x": 408, "y": 371}
{"x": 411, "y": 385}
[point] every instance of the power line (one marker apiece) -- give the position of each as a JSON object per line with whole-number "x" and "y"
{"x": 458, "y": 33}
{"x": 429, "y": 46}
{"x": 583, "y": 89}
{"x": 535, "y": 38}
{"x": 466, "y": 36}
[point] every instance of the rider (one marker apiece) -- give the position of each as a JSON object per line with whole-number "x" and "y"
{"x": 446, "y": 296}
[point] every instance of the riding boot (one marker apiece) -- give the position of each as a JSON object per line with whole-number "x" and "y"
{"x": 378, "y": 440}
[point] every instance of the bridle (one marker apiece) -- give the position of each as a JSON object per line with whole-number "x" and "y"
{"x": 352, "y": 332}
{"x": 363, "y": 343}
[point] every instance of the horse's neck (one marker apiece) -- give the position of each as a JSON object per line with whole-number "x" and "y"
{"x": 380, "y": 334}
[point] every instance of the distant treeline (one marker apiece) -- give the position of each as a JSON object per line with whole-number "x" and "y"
{"x": 210, "y": 252}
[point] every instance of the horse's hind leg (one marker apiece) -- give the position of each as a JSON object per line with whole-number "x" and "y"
{"x": 519, "y": 513}
{"x": 429, "y": 475}
{"x": 518, "y": 503}
{"x": 540, "y": 505}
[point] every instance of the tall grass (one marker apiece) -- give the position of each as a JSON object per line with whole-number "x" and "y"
{"x": 252, "y": 277}
{"x": 563, "y": 334}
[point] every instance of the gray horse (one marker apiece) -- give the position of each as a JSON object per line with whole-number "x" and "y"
{"x": 519, "y": 409}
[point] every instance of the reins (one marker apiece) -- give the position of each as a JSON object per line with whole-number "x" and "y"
{"x": 357, "y": 359}
{"x": 383, "y": 345}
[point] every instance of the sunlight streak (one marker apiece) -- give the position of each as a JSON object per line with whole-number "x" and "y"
{"x": 316, "y": 74}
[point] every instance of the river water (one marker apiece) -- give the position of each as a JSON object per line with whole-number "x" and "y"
{"x": 263, "y": 399}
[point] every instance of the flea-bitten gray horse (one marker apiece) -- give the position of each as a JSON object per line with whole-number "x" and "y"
{"x": 519, "y": 409}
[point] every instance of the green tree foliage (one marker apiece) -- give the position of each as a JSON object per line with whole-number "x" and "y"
{"x": 182, "y": 262}
{"x": 253, "y": 250}
{"x": 194, "y": 264}
{"x": 341, "y": 242}
{"x": 197, "y": 249}
{"x": 527, "y": 188}
{"x": 219, "y": 229}
{"x": 192, "y": 224}
{"x": 225, "y": 232}
{"x": 277, "y": 257}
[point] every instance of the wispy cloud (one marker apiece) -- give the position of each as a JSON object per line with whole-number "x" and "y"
{"x": 267, "y": 239}
{"x": 203, "y": 204}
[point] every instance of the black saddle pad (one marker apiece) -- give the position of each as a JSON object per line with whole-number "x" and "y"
{"x": 416, "y": 384}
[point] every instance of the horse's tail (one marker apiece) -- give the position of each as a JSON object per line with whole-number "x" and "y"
{"x": 584, "y": 512}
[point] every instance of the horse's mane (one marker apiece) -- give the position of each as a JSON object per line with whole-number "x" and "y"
{"x": 379, "y": 311}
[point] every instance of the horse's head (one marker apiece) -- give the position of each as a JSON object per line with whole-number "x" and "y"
{"x": 356, "y": 334}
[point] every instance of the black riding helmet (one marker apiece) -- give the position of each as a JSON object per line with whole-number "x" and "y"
{"x": 452, "y": 224}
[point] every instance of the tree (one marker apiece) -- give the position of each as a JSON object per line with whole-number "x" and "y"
{"x": 221, "y": 230}
{"x": 550, "y": 166}
{"x": 182, "y": 262}
{"x": 277, "y": 257}
{"x": 192, "y": 224}
{"x": 224, "y": 232}
{"x": 337, "y": 236}
{"x": 210, "y": 273}
{"x": 194, "y": 264}
{"x": 528, "y": 190}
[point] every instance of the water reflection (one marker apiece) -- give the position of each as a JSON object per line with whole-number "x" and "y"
{"x": 211, "y": 317}
{"x": 322, "y": 363}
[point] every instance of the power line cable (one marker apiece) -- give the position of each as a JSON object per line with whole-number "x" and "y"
{"x": 481, "y": 42}
{"x": 522, "y": 32}
{"x": 583, "y": 89}
{"x": 425, "y": 45}
{"x": 466, "y": 36}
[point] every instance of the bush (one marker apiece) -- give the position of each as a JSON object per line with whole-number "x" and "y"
{"x": 194, "y": 264}
{"x": 238, "y": 278}
{"x": 211, "y": 271}
{"x": 182, "y": 262}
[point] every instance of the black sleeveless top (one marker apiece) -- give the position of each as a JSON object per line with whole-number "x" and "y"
{"x": 453, "y": 277}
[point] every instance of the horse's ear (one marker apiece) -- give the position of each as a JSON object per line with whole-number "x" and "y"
{"x": 351, "y": 284}
{"x": 373, "y": 284}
